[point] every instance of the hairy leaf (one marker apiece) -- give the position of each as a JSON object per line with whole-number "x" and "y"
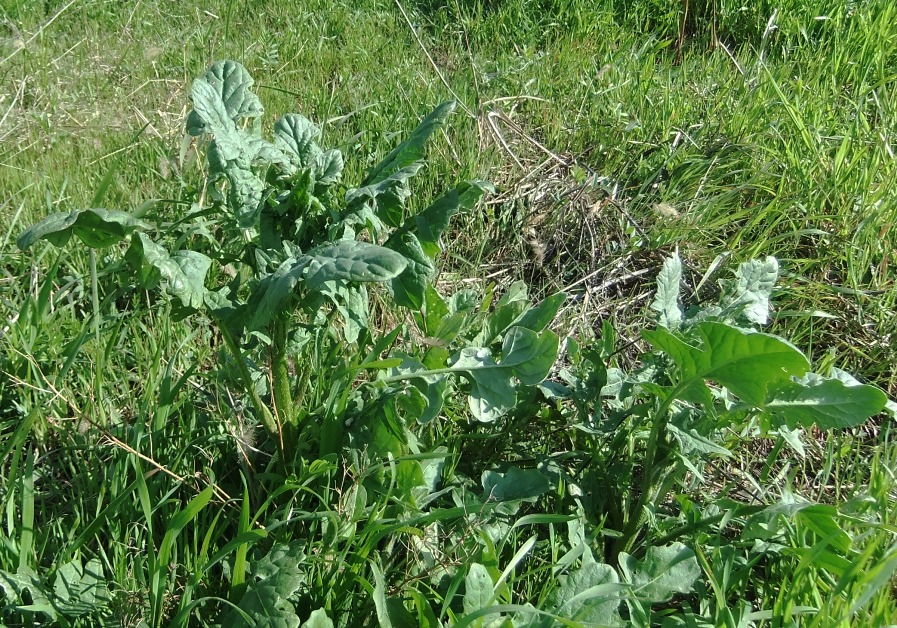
{"x": 97, "y": 228}
{"x": 231, "y": 86}
{"x": 748, "y": 295}
{"x": 385, "y": 198}
{"x": 666, "y": 301}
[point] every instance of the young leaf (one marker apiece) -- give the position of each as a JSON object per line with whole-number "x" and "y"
{"x": 183, "y": 272}
{"x": 515, "y": 485}
{"x": 232, "y": 86}
{"x": 295, "y": 135}
{"x": 665, "y": 570}
{"x": 477, "y": 588}
{"x": 97, "y": 228}
{"x": 666, "y": 301}
{"x": 589, "y": 595}
{"x": 385, "y": 198}
{"x": 412, "y": 149}
{"x": 826, "y": 403}
{"x": 275, "y": 578}
{"x": 528, "y": 356}
{"x": 418, "y": 241}
{"x": 746, "y": 362}
{"x": 749, "y": 294}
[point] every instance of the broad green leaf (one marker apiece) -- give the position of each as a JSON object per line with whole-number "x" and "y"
{"x": 386, "y": 198}
{"x": 826, "y": 403}
{"x": 748, "y": 295}
{"x": 412, "y": 149}
{"x": 746, "y": 362}
{"x": 232, "y": 86}
{"x": 15, "y": 585}
{"x": 540, "y": 316}
{"x": 528, "y": 356}
{"x": 409, "y": 287}
{"x": 390, "y": 612}
{"x": 666, "y": 301}
{"x": 329, "y": 167}
{"x": 477, "y": 588}
{"x": 346, "y": 260}
{"x": 418, "y": 241}
{"x": 589, "y": 595}
{"x": 352, "y": 261}
{"x": 210, "y": 116}
{"x": 664, "y": 571}
{"x": 182, "y": 273}
{"x": 80, "y": 589}
{"x": 430, "y": 223}
{"x": 515, "y": 485}
{"x": 318, "y": 619}
{"x": 296, "y": 135}
{"x": 274, "y": 579}
{"x": 97, "y": 228}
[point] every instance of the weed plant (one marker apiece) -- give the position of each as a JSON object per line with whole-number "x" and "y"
{"x": 257, "y": 391}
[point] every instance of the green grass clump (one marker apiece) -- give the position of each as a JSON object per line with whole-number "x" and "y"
{"x": 137, "y": 484}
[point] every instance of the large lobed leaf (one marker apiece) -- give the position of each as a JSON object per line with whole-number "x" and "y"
{"x": 230, "y": 96}
{"x": 346, "y": 260}
{"x": 182, "y": 273}
{"x": 746, "y": 362}
{"x": 97, "y": 228}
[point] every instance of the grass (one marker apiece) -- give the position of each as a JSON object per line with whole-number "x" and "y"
{"x": 615, "y": 132}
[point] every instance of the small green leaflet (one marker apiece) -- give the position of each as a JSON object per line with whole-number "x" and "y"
{"x": 96, "y": 228}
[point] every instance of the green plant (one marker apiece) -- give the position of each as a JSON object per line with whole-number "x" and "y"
{"x": 297, "y": 263}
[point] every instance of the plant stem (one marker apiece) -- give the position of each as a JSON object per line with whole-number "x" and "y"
{"x": 246, "y": 378}
{"x": 280, "y": 375}
{"x": 649, "y": 471}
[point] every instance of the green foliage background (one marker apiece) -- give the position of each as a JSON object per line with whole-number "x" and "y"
{"x": 136, "y": 485}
